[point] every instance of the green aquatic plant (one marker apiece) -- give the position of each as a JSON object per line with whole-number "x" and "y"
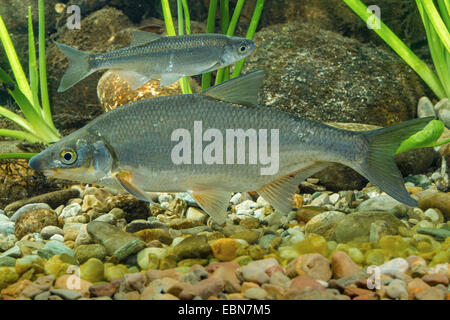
{"x": 227, "y": 27}
{"x": 437, "y": 27}
{"x": 37, "y": 123}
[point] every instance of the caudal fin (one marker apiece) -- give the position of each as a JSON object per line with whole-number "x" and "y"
{"x": 78, "y": 67}
{"x": 379, "y": 166}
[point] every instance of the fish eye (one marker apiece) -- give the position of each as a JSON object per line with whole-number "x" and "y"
{"x": 242, "y": 49}
{"x": 68, "y": 157}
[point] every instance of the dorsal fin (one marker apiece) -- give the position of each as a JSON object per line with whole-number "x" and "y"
{"x": 242, "y": 90}
{"x": 142, "y": 37}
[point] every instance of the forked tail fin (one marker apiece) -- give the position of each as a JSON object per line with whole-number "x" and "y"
{"x": 379, "y": 166}
{"x": 78, "y": 67}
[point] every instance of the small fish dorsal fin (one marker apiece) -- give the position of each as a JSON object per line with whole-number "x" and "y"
{"x": 242, "y": 90}
{"x": 142, "y": 37}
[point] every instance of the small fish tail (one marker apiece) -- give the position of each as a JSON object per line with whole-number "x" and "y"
{"x": 379, "y": 166}
{"x": 78, "y": 67}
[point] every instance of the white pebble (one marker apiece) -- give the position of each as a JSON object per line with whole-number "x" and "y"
{"x": 236, "y": 199}
{"x": 261, "y": 201}
{"x": 394, "y": 266}
{"x": 334, "y": 198}
{"x": 432, "y": 214}
{"x": 57, "y": 237}
{"x": 71, "y": 210}
{"x": 164, "y": 197}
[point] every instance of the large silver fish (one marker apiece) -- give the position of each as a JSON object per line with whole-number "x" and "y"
{"x": 151, "y": 56}
{"x": 187, "y": 142}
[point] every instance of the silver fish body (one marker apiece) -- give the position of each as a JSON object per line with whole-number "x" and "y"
{"x": 132, "y": 147}
{"x": 151, "y": 56}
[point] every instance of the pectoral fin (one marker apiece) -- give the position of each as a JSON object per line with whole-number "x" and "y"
{"x": 214, "y": 202}
{"x": 134, "y": 79}
{"x": 123, "y": 177}
{"x": 280, "y": 193}
{"x": 170, "y": 78}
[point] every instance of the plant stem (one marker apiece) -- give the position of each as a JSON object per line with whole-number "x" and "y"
{"x": 17, "y": 155}
{"x": 420, "y": 67}
{"x": 43, "y": 70}
{"x": 206, "y": 77}
{"x": 250, "y": 33}
{"x": 16, "y": 67}
{"x": 15, "y": 118}
{"x": 224, "y": 15}
{"x": 32, "y": 66}
{"x": 437, "y": 22}
{"x": 230, "y": 32}
{"x": 16, "y": 134}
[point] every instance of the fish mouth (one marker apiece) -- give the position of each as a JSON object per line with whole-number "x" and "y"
{"x": 50, "y": 172}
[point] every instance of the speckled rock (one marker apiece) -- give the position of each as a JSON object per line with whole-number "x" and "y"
{"x": 35, "y": 221}
{"x": 324, "y": 224}
{"x": 225, "y": 249}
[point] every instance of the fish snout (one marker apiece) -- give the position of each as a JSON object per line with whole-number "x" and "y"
{"x": 36, "y": 163}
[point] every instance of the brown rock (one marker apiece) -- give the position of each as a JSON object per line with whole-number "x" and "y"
{"x": 152, "y": 275}
{"x": 148, "y": 235}
{"x": 213, "y": 267}
{"x": 34, "y": 221}
{"x": 72, "y": 282}
{"x": 431, "y": 293}
{"x": 15, "y": 289}
{"x": 305, "y": 213}
{"x": 133, "y": 282}
{"x": 165, "y": 296}
{"x": 437, "y": 200}
{"x": 103, "y": 290}
{"x": 274, "y": 292}
{"x": 227, "y": 274}
{"x": 342, "y": 265}
{"x": 112, "y": 91}
{"x": 301, "y": 282}
{"x": 417, "y": 285}
{"x": 435, "y": 279}
{"x": 312, "y": 265}
{"x": 353, "y": 291}
{"x": 205, "y": 289}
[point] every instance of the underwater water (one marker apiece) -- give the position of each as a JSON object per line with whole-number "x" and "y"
{"x": 152, "y": 167}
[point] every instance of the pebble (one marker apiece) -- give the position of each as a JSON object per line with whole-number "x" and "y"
{"x": 425, "y": 108}
{"x": 255, "y": 294}
{"x": 86, "y": 251}
{"x": 28, "y": 207}
{"x": 444, "y": 113}
{"x": 71, "y": 210}
{"x": 394, "y": 266}
{"x": 7, "y": 227}
{"x": 225, "y": 249}
{"x": 432, "y": 293}
{"x": 66, "y": 294}
{"x": 58, "y": 248}
{"x": 343, "y": 266}
{"x": 195, "y": 246}
{"x": 195, "y": 214}
{"x": 312, "y": 265}
{"x": 397, "y": 290}
{"x": 49, "y": 231}
{"x": 92, "y": 270}
{"x": 435, "y": 279}
{"x": 57, "y": 237}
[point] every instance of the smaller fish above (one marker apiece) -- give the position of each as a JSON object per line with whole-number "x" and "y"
{"x": 151, "y": 56}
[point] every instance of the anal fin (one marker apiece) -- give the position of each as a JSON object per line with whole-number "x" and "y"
{"x": 279, "y": 193}
{"x": 214, "y": 202}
